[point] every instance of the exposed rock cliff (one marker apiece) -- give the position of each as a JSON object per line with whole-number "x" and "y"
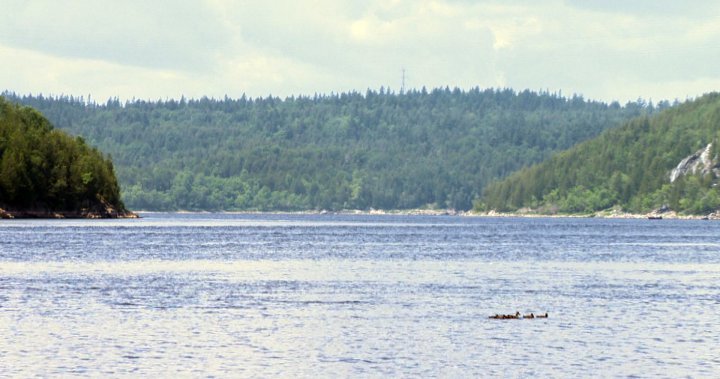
{"x": 699, "y": 162}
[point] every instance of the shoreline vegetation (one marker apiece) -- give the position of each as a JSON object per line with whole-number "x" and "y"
{"x": 372, "y": 150}
{"x": 631, "y": 171}
{"x": 47, "y": 173}
{"x": 668, "y": 161}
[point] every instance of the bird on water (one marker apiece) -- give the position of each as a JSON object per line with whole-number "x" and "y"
{"x": 516, "y": 316}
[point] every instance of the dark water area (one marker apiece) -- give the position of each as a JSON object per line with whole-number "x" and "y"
{"x": 263, "y": 295}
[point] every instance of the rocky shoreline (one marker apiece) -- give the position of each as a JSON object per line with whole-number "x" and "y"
{"x": 610, "y": 214}
{"x": 527, "y": 213}
{"x": 108, "y": 213}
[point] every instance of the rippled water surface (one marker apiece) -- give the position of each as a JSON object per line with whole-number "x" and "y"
{"x": 369, "y": 296}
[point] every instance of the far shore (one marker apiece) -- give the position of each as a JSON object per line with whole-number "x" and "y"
{"x": 607, "y": 214}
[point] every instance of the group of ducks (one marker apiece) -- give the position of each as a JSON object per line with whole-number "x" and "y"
{"x": 517, "y": 316}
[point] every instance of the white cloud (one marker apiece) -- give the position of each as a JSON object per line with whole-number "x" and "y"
{"x": 601, "y": 49}
{"x": 36, "y": 72}
{"x": 158, "y": 34}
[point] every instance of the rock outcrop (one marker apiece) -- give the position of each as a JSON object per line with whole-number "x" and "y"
{"x": 98, "y": 209}
{"x": 699, "y": 162}
{"x": 85, "y": 213}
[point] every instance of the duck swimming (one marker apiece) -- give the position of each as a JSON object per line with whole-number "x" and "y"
{"x": 505, "y": 317}
{"x": 517, "y": 316}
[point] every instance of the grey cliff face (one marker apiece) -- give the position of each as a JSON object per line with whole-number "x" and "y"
{"x": 699, "y": 162}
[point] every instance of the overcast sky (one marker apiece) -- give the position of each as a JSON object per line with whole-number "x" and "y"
{"x": 602, "y": 49}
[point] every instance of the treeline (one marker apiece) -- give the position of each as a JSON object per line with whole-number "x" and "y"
{"x": 46, "y": 169}
{"x": 378, "y": 150}
{"x": 627, "y": 167}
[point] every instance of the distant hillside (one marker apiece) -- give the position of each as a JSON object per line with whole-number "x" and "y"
{"x": 668, "y": 160}
{"x": 45, "y": 172}
{"x": 346, "y": 151}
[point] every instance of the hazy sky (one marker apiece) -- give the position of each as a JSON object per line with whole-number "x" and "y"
{"x": 150, "y": 49}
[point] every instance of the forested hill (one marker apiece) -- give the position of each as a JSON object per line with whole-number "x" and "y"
{"x": 44, "y": 171}
{"x": 630, "y": 167}
{"x": 346, "y": 151}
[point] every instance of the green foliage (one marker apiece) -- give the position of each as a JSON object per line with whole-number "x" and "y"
{"x": 627, "y": 167}
{"x": 378, "y": 150}
{"x": 41, "y": 167}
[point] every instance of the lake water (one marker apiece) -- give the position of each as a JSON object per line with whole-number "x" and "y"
{"x": 201, "y": 295}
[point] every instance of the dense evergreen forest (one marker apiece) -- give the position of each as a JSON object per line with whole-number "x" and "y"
{"x": 379, "y": 150}
{"x": 628, "y": 167}
{"x": 45, "y": 169}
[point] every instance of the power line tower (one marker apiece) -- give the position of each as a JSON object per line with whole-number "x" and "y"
{"x": 402, "y": 86}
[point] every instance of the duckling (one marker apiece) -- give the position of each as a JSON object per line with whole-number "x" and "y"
{"x": 505, "y": 317}
{"x": 531, "y": 315}
{"x": 542, "y": 316}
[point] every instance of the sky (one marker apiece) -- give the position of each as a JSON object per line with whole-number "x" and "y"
{"x": 601, "y": 49}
